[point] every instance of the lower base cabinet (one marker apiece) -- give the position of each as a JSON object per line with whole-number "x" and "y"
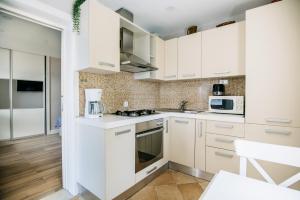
{"x": 220, "y": 159}
{"x": 182, "y": 141}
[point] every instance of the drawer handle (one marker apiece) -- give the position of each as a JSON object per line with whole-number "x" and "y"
{"x": 219, "y": 73}
{"x": 224, "y": 140}
{"x": 277, "y": 120}
{"x": 122, "y": 132}
{"x": 200, "y": 129}
{"x": 167, "y": 126}
{"x": 171, "y": 76}
{"x": 151, "y": 170}
{"x": 181, "y": 122}
{"x": 224, "y": 155}
{"x": 106, "y": 64}
{"x": 278, "y": 132}
{"x": 189, "y": 75}
{"x": 224, "y": 126}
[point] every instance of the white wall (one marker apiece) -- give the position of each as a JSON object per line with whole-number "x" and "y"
{"x": 22, "y": 35}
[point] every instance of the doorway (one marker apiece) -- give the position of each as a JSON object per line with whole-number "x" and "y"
{"x": 30, "y": 109}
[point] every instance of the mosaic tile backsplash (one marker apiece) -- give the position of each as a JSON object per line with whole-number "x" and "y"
{"x": 121, "y": 87}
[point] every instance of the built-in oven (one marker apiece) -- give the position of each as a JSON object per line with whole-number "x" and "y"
{"x": 149, "y": 143}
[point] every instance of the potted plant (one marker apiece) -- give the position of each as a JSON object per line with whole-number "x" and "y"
{"x": 76, "y": 15}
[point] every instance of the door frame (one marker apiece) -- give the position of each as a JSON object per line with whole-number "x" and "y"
{"x": 41, "y": 13}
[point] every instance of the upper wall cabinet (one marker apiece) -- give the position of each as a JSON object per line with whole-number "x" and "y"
{"x": 223, "y": 51}
{"x": 171, "y": 47}
{"x": 157, "y": 57}
{"x": 189, "y": 56}
{"x": 98, "y": 43}
{"x": 273, "y": 64}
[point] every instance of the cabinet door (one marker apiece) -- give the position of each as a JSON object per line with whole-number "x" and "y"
{"x": 104, "y": 33}
{"x": 158, "y": 57}
{"x": 183, "y": 141}
{"x": 120, "y": 154}
{"x": 171, "y": 59}
{"x": 273, "y": 64}
{"x": 189, "y": 56}
{"x": 223, "y": 51}
{"x": 200, "y": 145}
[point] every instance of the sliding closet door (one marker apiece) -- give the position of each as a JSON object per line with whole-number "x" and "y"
{"x": 55, "y": 94}
{"x": 28, "y": 94}
{"x": 4, "y": 94}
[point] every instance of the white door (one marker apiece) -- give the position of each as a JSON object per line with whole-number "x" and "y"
{"x": 273, "y": 64}
{"x": 183, "y": 141}
{"x": 223, "y": 51}
{"x": 120, "y": 153}
{"x": 171, "y": 59}
{"x": 189, "y": 56}
{"x": 104, "y": 26}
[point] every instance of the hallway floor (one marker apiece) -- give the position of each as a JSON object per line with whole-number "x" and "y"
{"x": 30, "y": 168}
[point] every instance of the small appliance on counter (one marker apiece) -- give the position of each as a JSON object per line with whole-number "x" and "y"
{"x": 226, "y": 104}
{"x": 218, "y": 90}
{"x": 93, "y": 106}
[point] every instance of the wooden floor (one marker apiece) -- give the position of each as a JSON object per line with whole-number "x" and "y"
{"x": 30, "y": 168}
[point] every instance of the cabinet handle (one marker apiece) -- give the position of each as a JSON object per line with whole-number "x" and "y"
{"x": 151, "y": 170}
{"x": 181, "y": 122}
{"x": 188, "y": 75}
{"x": 106, "y": 64}
{"x": 171, "y": 76}
{"x": 220, "y": 73}
{"x": 223, "y": 140}
{"x": 167, "y": 126}
{"x": 200, "y": 129}
{"x": 278, "y": 120}
{"x": 224, "y": 126}
{"x": 224, "y": 155}
{"x": 278, "y": 132}
{"x": 122, "y": 132}
{"x": 149, "y": 133}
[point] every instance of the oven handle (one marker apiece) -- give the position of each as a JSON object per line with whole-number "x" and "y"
{"x": 149, "y": 133}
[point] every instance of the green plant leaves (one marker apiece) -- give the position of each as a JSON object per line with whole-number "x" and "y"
{"x": 76, "y": 15}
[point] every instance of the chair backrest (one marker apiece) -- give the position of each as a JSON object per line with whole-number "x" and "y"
{"x": 248, "y": 150}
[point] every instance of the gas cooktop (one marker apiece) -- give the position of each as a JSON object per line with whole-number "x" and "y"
{"x": 136, "y": 113}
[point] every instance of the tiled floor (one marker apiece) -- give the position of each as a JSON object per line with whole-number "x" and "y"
{"x": 172, "y": 185}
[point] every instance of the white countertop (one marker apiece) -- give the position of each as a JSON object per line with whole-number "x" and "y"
{"x": 112, "y": 121}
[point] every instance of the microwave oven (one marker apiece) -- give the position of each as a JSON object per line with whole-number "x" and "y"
{"x": 226, "y": 104}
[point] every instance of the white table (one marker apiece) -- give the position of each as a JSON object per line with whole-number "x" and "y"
{"x": 228, "y": 186}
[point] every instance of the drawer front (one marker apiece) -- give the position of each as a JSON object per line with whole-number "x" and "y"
{"x": 220, "y": 159}
{"x": 225, "y": 128}
{"x": 220, "y": 141}
{"x": 273, "y": 134}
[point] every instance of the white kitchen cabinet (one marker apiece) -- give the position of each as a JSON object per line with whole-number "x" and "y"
{"x": 223, "y": 51}
{"x": 287, "y": 136}
{"x": 106, "y": 160}
{"x": 171, "y": 64}
{"x": 200, "y": 145}
{"x": 273, "y": 64}
{"x": 157, "y": 57}
{"x": 221, "y": 159}
{"x": 27, "y": 66}
{"x": 226, "y": 128}
{"x": 189, "y": 56}
{"x": 98, "y": 43}
{"x": 183, "y": 141}
{"x": 120, "y": 152}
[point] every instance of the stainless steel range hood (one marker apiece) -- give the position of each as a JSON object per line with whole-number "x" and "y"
{"x": 129, "y": 61}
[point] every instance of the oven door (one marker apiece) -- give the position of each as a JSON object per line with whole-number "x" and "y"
{"x": 149, "y": 148}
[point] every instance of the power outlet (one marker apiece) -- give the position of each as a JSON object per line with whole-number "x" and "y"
{"x": 225, "y": 82}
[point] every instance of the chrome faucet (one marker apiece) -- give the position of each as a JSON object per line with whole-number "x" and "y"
{"x": 182, "y": 105}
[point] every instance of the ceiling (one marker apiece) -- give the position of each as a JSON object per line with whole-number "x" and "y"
{"x": 170, "y": 18}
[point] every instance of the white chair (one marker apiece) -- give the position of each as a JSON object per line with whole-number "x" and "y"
{"x": 248, "y": 150}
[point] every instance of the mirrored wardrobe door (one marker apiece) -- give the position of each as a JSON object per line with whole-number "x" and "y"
{"x": 4, "y": 94}
{"x": 28, "y": 94}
